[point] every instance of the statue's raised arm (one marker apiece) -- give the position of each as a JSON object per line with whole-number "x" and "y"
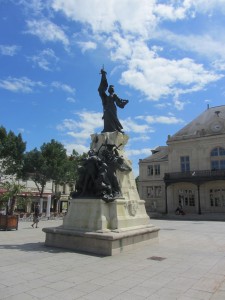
{"x": 103, "y": 87}
{"x": 109, "y": 102}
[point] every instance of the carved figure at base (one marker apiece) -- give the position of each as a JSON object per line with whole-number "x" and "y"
{"x": 87, "y": 173}
{"x": 110, "y": 103}
{"x": 114, "y": 162}
{"x": 97, "y": 174}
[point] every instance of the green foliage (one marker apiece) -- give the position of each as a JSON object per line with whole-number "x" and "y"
{"x": 34, "y": 168}
{"x": 55, "y": 158}
{"x": 70, "y": 172}
{"x": 12, "y": 149}
{"x": 50, "y": 163}
{"x": 22, "y": 202}
{"x": 11, "y": 190}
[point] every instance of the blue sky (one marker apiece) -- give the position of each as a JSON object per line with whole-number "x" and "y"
{"x": 166, "y": 57}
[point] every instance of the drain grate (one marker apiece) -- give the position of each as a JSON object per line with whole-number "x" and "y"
{"x": 158, "y": 258}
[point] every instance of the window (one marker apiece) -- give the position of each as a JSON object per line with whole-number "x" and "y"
{"x": 154, "y": 191}
{"x": 158, "y": 191}
{"x": 150, "y": 170}
{"x": 150, "y": 192}
{"x": 218, "y": 151}
{"x": 153, "y": 170}
{"x": 214, "y": 152}
{"x": 215, "y": 165}
{"x": 185, "y": 163}
{"x": 218, "y": 159}
{"x": 157, "y": 169}
{"x": 191, "y": 198}
{"x": 217, "y": 197}
{"x": 187, "y": 197}
{"x": 222, "y": 164}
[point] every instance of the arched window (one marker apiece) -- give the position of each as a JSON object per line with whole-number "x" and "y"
{"x": 218, "y": 158}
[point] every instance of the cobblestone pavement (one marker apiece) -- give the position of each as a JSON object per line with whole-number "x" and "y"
{"x": 186, "y": 263}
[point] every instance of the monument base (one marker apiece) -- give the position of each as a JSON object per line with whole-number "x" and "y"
{"x": 106, "y": 244}
{"x": 93, "y": 226}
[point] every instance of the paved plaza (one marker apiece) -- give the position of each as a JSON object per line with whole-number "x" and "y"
{"x": 186, "y": 263}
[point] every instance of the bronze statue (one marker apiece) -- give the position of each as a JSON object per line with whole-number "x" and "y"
{"x": 109, "y": 102}
{"x": 97, "y": 174}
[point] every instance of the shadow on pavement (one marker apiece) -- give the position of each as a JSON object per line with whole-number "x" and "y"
{"x": 40, "y": 247}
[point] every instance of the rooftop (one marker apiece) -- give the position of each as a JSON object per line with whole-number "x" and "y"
{"x": 210, "y": 122}
{"x": 158, "y": 154}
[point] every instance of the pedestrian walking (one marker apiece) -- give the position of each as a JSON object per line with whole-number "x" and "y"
{"x": 36, "y": 215}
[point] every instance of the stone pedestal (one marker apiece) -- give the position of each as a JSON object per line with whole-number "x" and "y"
{"x": 96, "y": 215}
{"x": 104, "y": 244}
{"x": 94, "y": 226}
{"x": 91, "y": 225}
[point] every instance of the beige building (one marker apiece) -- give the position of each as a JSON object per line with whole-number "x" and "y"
{"x": 190, "y": 169}
{"x": 55, "y": 198}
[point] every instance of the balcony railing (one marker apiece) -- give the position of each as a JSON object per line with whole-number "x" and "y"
{"x": 194, "y": 176}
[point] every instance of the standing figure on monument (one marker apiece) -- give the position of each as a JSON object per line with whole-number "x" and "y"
{"x": 109, "y": 102}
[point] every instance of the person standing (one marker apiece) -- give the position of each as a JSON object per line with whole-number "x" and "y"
{"x": 36, "y": 215}
{"x": 109, "y": 102}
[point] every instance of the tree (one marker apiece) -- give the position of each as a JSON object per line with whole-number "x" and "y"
{"x": 12, "y": 148}
{"x": 50, "y": 163}
{"x": 33, "y": 168}
{"x": 8, "y": 198}
{"x": 70, "y": 168}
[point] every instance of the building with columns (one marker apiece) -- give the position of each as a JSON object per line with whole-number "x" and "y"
{"x": 55, "y": 197}
{"x": 190, "y": 169}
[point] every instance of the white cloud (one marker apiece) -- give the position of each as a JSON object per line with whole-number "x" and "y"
{"x": 70, "y": 99}
{"x": 128, "y": 15}
{"x": 23, "y": 84}
{"x": 170, "y": 12}
{"x": 34, "y": 7}
{"x": 87, "y": 122}
{"x": 78, "y": 147}
{"x": 9, "y": 50}
{"x": 128, "y": 39}
{"x": 178, "y": 10}
{"x": 85, "y": 46}
{"x": 179, "y": 105}
{"x": 158, "y": 77}
{"x": 81, "y": 129}
{"x": 160, "y": 119}
{"x": 45, "y": 59}
{"x": 140, "y": 137}
{"x": 219, "y": 65}
{"x": 47, "y": 31}
{"x": 121, "y": 47}
{"x": 138, "y": 152}
{"x": 210, "y": 45}
{"x": 205, "y": 6}
{"x": 63, "y": 87}
{"x": 131, "y": 126}
{"x": 162, "y": 105}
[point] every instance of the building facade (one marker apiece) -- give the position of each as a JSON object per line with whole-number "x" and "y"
{"x": 192, "y": 168}
{"x": 55, "y": 197}
{"x": 151, "y": 186}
